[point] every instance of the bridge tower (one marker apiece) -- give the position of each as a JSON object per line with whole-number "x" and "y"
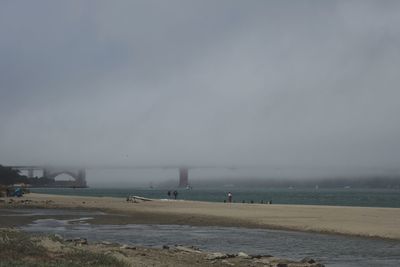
{"x": 31, "y": 173}
{"x": 183, "y": 177}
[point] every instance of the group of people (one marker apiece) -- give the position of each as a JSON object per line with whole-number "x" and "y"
{"x": 175, "y": 193}
{"x": 229, "y": 197}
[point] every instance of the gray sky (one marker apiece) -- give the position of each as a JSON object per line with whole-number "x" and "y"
{"x": 288, "y": 83}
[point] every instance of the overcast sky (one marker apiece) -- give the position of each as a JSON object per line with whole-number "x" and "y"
{"x": 288, "y": 83}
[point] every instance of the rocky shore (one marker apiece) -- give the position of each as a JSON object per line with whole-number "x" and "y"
{"x": 22, "y": 249}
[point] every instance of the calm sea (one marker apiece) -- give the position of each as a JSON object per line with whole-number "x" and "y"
{"x": 335, "y": 197}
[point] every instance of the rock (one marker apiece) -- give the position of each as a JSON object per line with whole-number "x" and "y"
{"x": 258, "y": 256}
{"x": 308, "y": 260}
{"x": 186, "y": 249}
{"x": 106, "y": 243}
{"x": 127, "y": 247}
{"x": 216, "y": 256}
{"x": 227, "y": 263}
{"x": 195, "y": 248}
{"x": 243, "y": 255}
{"x": 255, "y": 256}
{"x": 281, "y": 264}
{"x": 165, "y": 247}
{"x": 78, "y": 241}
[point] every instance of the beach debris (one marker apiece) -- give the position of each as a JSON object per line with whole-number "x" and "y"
{"x": 106, "y": 243}
{"x": 136, "y": 199}
{"x": 216, "y": 256}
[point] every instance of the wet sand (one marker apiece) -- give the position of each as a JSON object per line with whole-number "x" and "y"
{"x": 360, "y": 221}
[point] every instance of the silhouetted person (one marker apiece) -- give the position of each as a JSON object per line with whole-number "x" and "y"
{"x": 229, "y": 197}
{"x": 169, "y": 194}
{"x": 175, "y": 194}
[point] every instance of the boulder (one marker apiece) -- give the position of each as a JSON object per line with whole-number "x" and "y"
{"x": 186, "y": 249}
{"x": 216, "y": 256}
{"x": 308, "y": 260}
{"x": 243, "y": 255}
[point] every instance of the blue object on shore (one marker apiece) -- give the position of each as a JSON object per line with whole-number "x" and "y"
{"x": 17, "y": 192}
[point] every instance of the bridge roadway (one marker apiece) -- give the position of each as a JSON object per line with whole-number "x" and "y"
{"x": 79, "y": 173}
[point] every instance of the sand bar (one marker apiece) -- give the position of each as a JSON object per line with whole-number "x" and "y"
{"x": 361, "y": 221}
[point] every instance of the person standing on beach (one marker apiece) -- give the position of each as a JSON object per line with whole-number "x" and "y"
{"x": 175, "y": 194}
{"x": 229, "y": 197}
{"x": 169, "y": 194}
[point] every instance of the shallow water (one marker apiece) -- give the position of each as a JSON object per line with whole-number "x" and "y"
{"x": 332, "y": 250}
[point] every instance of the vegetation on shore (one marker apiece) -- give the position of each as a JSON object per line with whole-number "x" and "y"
{"x": 22, "y": 249}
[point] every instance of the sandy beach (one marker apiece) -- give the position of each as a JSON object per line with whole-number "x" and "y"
{"x": 359, "y": 221}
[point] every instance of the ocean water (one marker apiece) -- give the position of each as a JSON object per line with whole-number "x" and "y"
{"x": 334, "y": 197}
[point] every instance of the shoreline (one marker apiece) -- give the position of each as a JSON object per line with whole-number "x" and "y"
{"x": 56, "y": 250}
{"x": 354, "y": 221}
